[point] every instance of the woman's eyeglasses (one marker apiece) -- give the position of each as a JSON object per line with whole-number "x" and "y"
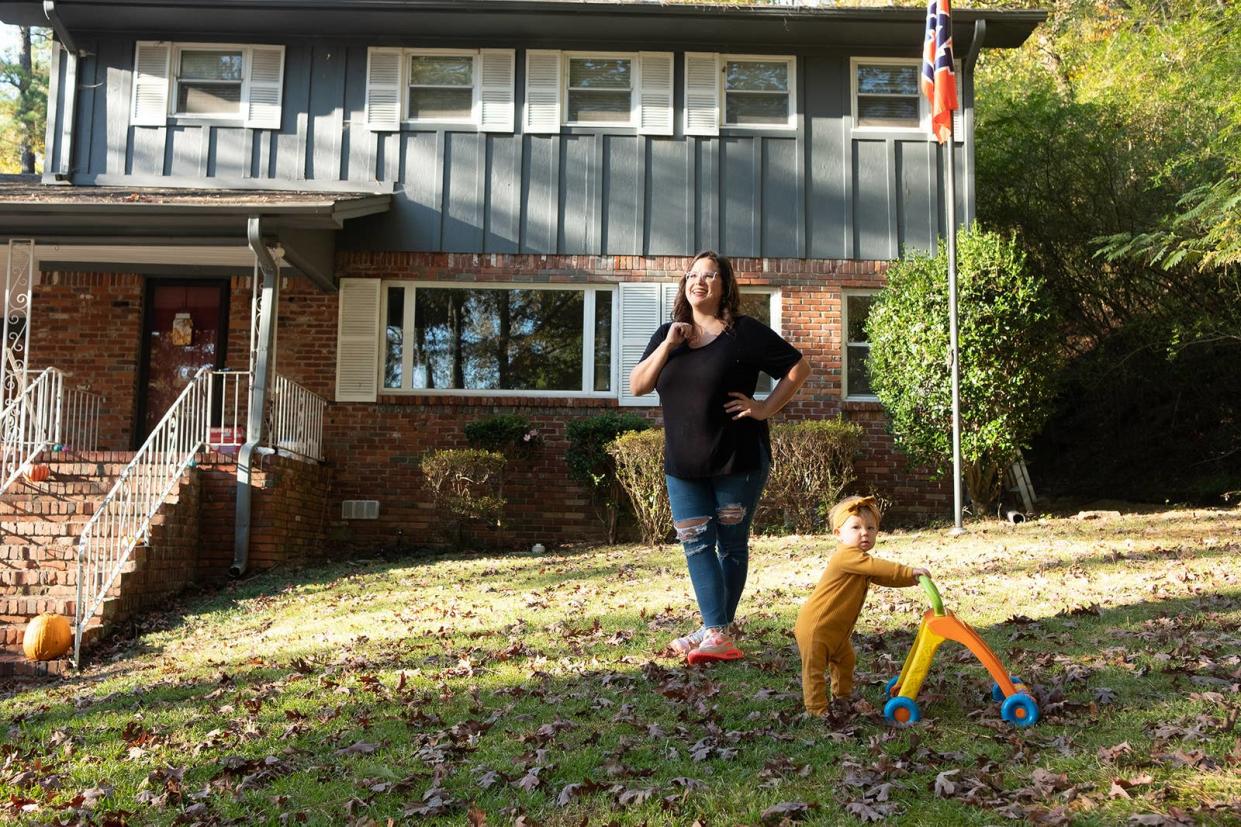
{"x": 712, "y": 276}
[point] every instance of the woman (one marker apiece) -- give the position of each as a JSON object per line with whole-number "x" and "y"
{"x": 705, "y": 365}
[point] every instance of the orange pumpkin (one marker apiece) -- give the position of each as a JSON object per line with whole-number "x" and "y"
{"x": 48, "y": 636}
{"x": 39, "y": 473}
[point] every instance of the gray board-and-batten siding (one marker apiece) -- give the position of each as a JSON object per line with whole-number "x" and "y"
{"x": 822, "y": 190}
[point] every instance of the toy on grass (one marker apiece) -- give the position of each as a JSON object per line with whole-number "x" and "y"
{"x": 938, "y": 625}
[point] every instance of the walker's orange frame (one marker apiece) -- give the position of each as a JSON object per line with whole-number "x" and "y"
{"x": 938, "y": 625}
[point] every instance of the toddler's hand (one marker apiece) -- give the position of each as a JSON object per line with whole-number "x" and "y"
{"x": 921, "y": 572}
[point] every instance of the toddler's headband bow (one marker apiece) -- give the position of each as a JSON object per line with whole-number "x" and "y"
{"x": 860, "y": 503}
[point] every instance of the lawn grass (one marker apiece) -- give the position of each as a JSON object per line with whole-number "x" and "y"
{"x": 523, "y": 688}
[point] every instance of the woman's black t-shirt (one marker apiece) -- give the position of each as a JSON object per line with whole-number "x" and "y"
{"x": 701, "y": 439}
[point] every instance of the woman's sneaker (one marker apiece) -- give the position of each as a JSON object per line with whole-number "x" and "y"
{"x": 715, "y": 646}
{"x": 684, "y": 645}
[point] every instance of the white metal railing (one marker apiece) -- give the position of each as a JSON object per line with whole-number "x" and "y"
{"x": 296, "y": 419}
{"x": 229, "y": 400}
{"x": 28, "y": 425}
{"x": 124, "y": 516}
{"x": 79, "y": 420}
{"x": 295, "y": 426}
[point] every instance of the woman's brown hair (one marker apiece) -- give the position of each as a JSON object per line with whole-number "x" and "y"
{"x": 730, "y": 299}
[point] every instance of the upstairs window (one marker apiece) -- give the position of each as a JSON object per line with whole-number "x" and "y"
{"x": 758, "y": 91}
{"x": 599, "y": 90}
{"x": 441, "y": 88}
{"x": 886, "y": 94}
{"x": 227, "y": 83}
{"x": 209, "y": 81}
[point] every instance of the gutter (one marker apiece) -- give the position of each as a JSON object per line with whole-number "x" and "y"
{"x": 258, "y": 392}
{"x": 58, "y": 25}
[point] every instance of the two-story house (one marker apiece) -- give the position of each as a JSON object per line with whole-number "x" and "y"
{"x": 384, "y": 219}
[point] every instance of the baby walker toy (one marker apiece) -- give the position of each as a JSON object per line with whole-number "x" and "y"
{"x": 938, "y": 625}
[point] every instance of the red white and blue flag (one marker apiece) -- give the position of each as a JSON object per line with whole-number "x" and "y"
{"x": 939, "y": 80}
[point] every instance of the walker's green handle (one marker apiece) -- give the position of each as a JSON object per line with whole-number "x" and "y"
{"x": 932, "y": 594}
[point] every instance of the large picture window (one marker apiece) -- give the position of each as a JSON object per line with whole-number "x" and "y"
{"x": 497, "y": 339}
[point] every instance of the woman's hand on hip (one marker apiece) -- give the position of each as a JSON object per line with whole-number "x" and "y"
{"x": 679, "y": 332}
{"x": 743, "y": 407}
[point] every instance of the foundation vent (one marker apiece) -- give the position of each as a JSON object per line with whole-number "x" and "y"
{"x": 359, "y": 510}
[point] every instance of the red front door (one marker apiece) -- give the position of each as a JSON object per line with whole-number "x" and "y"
{"x": 186, "y": 328}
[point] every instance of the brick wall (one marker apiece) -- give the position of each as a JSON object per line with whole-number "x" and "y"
{"x": 164, "y": 567}
{"x": 374, "y": 448}
{"x": 90, "y": 326}
{"x": 289, "y": 506}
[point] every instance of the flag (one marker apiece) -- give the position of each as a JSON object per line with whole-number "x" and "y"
{"x": 939, "y": 80}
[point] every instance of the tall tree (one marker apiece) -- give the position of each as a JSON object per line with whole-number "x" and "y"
{"x": 23, "y": 109}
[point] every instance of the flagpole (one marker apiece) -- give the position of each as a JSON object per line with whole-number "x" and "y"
{"x": 954, "y": 356}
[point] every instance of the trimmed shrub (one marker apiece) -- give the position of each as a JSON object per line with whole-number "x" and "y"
{"x": 591, "y": 465}
{"x": 464, "y": 486}
{"x": 811, "y": 466}
{"x": 1009, "y": 344}
{"x": 508, "y": 434}
{"x": 639, "y": 457}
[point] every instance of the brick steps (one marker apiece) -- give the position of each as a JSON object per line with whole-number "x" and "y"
{"x": 40, "y": 525}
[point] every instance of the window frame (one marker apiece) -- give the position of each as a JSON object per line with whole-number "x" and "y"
{"x": 588, "y": 339}
{"x": 845, "y": 294}
{"x": 790, "y": 60}
{"x": 475, "y": 119}
{"x": 774, "y": 308}
{"x": 635, "y": 84}
{"x": 174, "y": 78}
{"x": 923, "y": 128}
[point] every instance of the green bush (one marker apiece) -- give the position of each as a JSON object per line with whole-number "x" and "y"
{"x": 464, "y": 486}
{"x": 1008, "y": 340}
{"x": 811, "y": 466}
{"x": 639, "y": 457}
{"x": 508, "y": 434}
{"x": 592, "y": 466}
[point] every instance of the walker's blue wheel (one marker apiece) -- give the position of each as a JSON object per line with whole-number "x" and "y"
{"x": 902, "y": 710}
{"x": 1020, "y": 710}
{"x": 997, "y": 694}
{"x": 888, "y": 688}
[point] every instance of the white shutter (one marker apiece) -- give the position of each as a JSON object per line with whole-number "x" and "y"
{"x": 496, "y": 90}
{"x": 655, "y": 93}
{"x": 702, "y": 93}
{"x": 357, "y": 340}
{"x": 151, "y": 78}
{"x": 266, "y": 86}
{"x": 383, "y": 89}
{"x": 958, "y": 125}
{"x": 542, "y": 91}
{"x": 640, "y": 315}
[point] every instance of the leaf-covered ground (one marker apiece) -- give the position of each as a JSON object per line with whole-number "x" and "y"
{"x": 531, "y": 689}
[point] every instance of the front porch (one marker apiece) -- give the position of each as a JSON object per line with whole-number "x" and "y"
{"x": 149, "y": 440}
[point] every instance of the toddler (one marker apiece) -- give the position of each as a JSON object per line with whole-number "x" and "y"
{"x": 827, "y": 619}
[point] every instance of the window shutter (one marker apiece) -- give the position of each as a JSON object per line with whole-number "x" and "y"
{"x": 357, "y": 341}
{"x": 542, "y": 91}
{"x": 496, "y": 90}
{"x": 383, "y": 89}
{"x": 702, "y": 93}
{"x": 265, "y": 88}
{"x": 655, "y": 93}
{"x": 640, "y": 315}
{"x": 151, "y": 77}
{"x": 958, "y": 126}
